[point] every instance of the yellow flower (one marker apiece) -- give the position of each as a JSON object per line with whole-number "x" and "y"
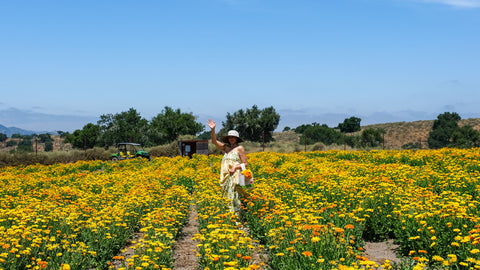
{"x": 474, "y": 251}
{"x": 315, "y": 239}
{"x": 437, "y": 258}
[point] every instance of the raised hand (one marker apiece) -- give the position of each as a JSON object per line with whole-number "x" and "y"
{"x": 211, "y": 124}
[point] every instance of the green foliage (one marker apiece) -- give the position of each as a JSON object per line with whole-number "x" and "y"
{"x": 84, "y": 138}
{"x": 43, "y": 138}
{"x": 353, "y": 141}
{"x": 25, "y": 145}
{"x": 206, "y": 135}
{"x": 3, "y": 137}
{"x": 11, "y": 143}
{"x": 122, "y": 127}
{"x": 443, "y": 129}
{"x": 253, "y": 124}
{"x": 170, "y": 123}
{"x": 350, "y": 125}
{"x": 319, "y": 133}
{"x": 465, "y": 137}
{"x": 371, "y": 137}
{"x": 48, "y": 146}
{"x": 129, "y": 126}
{"x": 62, "y": 134}
{"x": 411, "y": 145}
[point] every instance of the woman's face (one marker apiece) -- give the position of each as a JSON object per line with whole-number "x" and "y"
{"x": 232, "y": 140}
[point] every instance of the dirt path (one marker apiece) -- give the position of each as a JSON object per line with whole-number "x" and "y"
{"x": 185, "y": 250}
{"x": 127, "y": 251}
{"x": 260, "y": 255}
{"x": 379, "y": 252}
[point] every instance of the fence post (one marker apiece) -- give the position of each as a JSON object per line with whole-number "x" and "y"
{"x": 263, "y": 140}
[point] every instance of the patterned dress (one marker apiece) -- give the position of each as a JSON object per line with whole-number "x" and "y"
{"x": 228, "y": 182}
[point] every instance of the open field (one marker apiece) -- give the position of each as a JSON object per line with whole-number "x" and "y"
{"x": 313, "y": 209}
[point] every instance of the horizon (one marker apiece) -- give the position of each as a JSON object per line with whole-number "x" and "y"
{"x": 279, "y": 128}
{"x": 66, "y": 63}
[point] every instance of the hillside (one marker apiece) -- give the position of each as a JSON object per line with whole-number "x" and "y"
{"x": 401, "y": 133}
{"x": 396, "y": 134}
{"x": 58, "y": 145}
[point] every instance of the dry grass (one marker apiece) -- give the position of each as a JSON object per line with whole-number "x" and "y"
{"x": 401, "y": 133}
{"x": 396, "y": 135}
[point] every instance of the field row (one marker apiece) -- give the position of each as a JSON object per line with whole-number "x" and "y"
{"x": 308, "y": 210}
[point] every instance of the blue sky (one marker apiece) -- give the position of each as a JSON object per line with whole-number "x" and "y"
{"x": 65, "y": 63}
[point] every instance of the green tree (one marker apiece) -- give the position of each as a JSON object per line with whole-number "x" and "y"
{"x": 319, "y": 133}
{"x": 43, "y": 138}
{"x": 126, "y": 126}
{"x": 350, "y": 125}
{"x": 170, "y": 123}
{"x": 48, "y": 146}
{"x": 371, "y": 137}
{"x": 253, "y": 124}
{"x": 62, "y": 134}
{"x": 206, "y": 135}
{"x": 86, "y": 137}
{"x": 443, "y": 128}
{"x": 11, "y": 143}
{"x": 25, "y": 145}
{"x": 465, "y": 137}
{"x": 353, "y": 141}
{"x": 3, "y": 137}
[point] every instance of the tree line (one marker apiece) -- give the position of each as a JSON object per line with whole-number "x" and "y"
{"x": 168, "y": 125}
{"x": 445, "y": 133}
{"x": 254, "y": 124}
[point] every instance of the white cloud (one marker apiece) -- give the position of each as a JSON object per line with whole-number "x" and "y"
{"x": 457, "y": 3}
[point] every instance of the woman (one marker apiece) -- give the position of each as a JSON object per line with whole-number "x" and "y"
{"x": 231, "y": 164}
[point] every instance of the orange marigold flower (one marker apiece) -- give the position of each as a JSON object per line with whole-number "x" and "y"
{"x": 349, "y": 226}
{"x": 42, "y": 264}
{"x": 307, "y": 253}
{"x": 246, "y": 258}
{"x": 247, "y": 173}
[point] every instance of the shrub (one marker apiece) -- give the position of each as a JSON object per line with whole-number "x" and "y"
{"x": 167, "y": 150}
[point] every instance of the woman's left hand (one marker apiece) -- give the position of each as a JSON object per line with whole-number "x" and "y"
{"x": 232, "y": 170}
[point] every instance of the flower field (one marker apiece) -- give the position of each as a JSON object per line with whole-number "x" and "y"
{"x": 309, "y": 210}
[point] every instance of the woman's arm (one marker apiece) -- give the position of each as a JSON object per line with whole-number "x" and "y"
{"x": 217, "y": 143}
{"x": 243, "y": 159}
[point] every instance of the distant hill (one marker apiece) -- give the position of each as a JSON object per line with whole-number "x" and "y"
{"x": 400, "y": 133}
{"x": 397, "y": 134}
{"x": 14, "y": 130}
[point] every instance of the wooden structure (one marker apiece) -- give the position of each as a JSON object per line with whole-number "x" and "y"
{"x": 190, "y": 147}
